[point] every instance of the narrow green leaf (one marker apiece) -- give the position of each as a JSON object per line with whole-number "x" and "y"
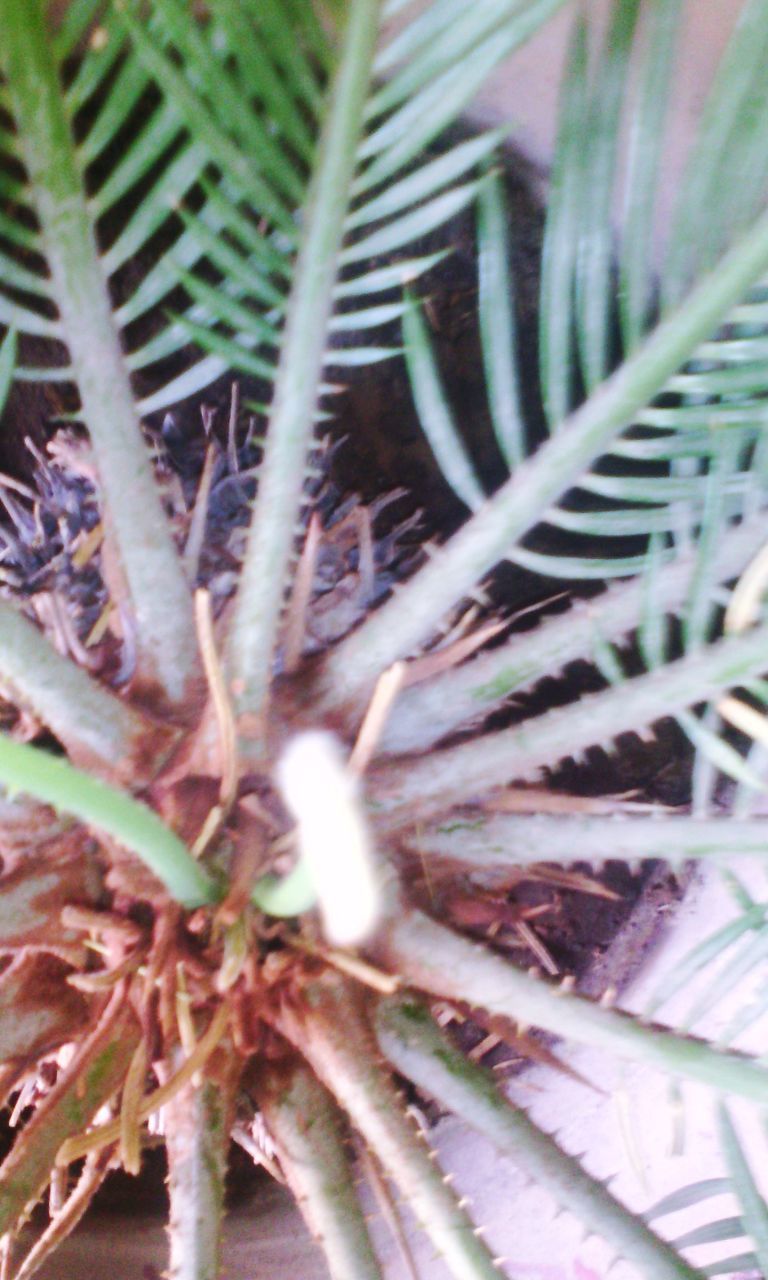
{"x": 725, "y": 757}
{"x": 16, "y": 276}
{"x": 231, "y": 350}
{"x": 558, "y": 267}
{"x": 219, "y": 306}
{"x": 189, "y": 383}
{"x": 596, "y": 251}
{"x": 711, "y": 1233}
{"x": 19, "y": 233}
{"x": 452, "y": 42}
{"x": 236, "y": 116}
{"x": 51, "y": 779}
{"x": 124, "y": 93}
{"x": 416, "y": 34}
{"x": 96, "y": 64}
{"x": 688, "y": 1196}
{"x": 411, "y": 226}
{"x": 196, "y": 116}
{"x": 145, "y": 149}
{"x": 747, "y": 959}
{"x": 259, "y": 75}
{"x": 152, "y": 212}
{"x": 754, "y": 1210}
{"x": 496, "y": 311}
{"x": 434, "y": 411}
{"x": 74, "y": 23}
{"x": 407, "y": 133}
{"x": 700, "y": 607}
{"x": 354, "y": 357}
{"x": 368, "y": 318}
{"x": 289, "y": 54}
{"x": 653, "y": 632}
{"x": 245, "y": 270}
{"x": 646, "y": 136}
{"x": 7, "y": 365}
{"x": 578, "y": 568}
{"x": 710, "y": 948}
{"x": 697, "y": 226}
{"x": 394, "y": 276}
{"x": 428, "y": 179}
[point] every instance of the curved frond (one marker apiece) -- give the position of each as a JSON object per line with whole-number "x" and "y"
{"x": 350, "y": 217}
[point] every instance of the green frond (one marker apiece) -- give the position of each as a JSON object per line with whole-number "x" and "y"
{"x": 431, "y": 711}
{"x": 422, "y": 1053}
{"x": 749, "y": 1227}
{"x": 78, "y": 285}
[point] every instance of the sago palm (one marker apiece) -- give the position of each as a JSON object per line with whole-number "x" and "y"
{"x": 207, "y": 917}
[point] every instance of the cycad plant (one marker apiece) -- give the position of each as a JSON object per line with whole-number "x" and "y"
{"x": 212, "y": 826}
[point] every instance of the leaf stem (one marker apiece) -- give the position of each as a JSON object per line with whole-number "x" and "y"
{"x": 406, "y": 791}
{"x": 310, "y": 1132}
{"x": 273, "y": 531}
{"x": 421, "y": 1053}
{"x": 92, "y": 723}
{"x": 447, "y": 965}
{"x": 153, "y": 572}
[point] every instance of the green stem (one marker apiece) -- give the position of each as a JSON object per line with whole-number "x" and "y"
{"x": 501, "y": 841}
{"x": 95, "y": 726}
{"x": 418, "y": 1050}
{"x": 430, "y": 711}
{"x": 410, "y": 616}
{"x": 407, "y": 790}
{"x": 153, "y": 572}
{"x": 311, "y": 1139}
{"x": 55, "y": 782}
{"x": 438, "y": 961}
{"x": 272, "y": 536}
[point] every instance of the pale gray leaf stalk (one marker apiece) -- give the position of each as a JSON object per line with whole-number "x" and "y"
{"x": 272, "y": 535}
{"x": 429, "y": 711}
{"x": 95, "y": 726}
{"x": 335, "y": 1038}
{"x": 500, "y": 841}
{"x": 311, "y": 1137}
{"x": 405, "y": 791}
{"x": 159, "y": 593}
{"x": 446, "y": 965}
